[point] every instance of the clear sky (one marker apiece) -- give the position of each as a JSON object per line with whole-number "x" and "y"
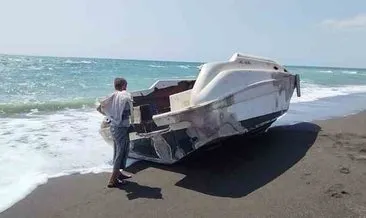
{"x": 298, "y": 32}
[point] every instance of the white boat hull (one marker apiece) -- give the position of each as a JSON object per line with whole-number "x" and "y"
{"x": 200, "y": 116}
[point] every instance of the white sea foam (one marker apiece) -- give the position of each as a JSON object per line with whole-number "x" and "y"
{"x": 156, "y": 66}
{"x": 15, "y": 59}
{"x": 86, "y": 62}
{"x": 349, "y": 72}
{"x": 44, "y": 146}
{"x": 325, "y": 71}
{"x": 191, "y": 77}
{"x": 83, "y": 85}
{"x": 184, "y": 66}
{"x": 68, "y": 61}
{"x": 35, "y": 67}
{"x": 313, "y": 92}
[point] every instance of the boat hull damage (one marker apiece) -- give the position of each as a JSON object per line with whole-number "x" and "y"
{"x": 174, "y": 145}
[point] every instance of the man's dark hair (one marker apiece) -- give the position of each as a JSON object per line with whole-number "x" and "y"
{"x": 119, "y": 83}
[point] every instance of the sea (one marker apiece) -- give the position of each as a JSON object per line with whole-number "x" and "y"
{"x": 49, "y": 125}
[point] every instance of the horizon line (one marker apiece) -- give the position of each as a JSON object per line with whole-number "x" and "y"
{"x": 102, "y": 58}
{"x": 182, "y": 61}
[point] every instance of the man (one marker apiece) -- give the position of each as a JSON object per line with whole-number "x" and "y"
{"x": 117, "y": 107}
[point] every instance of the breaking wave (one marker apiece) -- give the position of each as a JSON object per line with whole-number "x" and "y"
{"x": 349, "y": 72}
{"x": 78, "y": 62}
{"x": 156, "y": 66}
{"x": 184, "y": 66}
{"x": 325, "y": 71}
{"x": 313, "y": 92}
{"x": 8, "y": 109}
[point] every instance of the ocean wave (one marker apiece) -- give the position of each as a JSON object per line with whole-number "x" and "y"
{"x": 312, "y": 92}
{"x": 325, "y": 71}
{"x": 83, "y": 85}
{"x": 156, "y": 66}
{"x": 16, "y": 59}
{"x": 191, "y": 77}
{"x": 35, "y": 67}
{"x": 349, "y": 72}
{"x": 184, "y": 66}
{"x": 68, "y": 61}
{"x": 7, "y": 109}
{"x": 53, "y": 146}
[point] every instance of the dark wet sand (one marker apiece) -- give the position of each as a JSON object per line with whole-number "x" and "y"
{"x": 304, "y": 170}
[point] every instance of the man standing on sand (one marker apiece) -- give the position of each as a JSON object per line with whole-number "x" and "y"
{"x": 117, "y": 107}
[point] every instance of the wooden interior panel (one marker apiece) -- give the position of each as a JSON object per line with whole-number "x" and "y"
{"x": 155, "y": 103}
{"x": 159, "y": 98}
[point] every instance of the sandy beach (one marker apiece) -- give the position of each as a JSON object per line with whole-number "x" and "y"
{"x": 304, "y": 170}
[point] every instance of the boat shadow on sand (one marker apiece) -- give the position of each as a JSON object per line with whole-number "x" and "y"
{"x": 242, "y": 164}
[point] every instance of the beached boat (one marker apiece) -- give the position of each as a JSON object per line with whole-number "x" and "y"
{"x": 174, "y": 118}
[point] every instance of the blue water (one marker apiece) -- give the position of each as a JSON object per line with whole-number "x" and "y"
{"x": 49, "y": 83}
{"x": 49, "y": 126}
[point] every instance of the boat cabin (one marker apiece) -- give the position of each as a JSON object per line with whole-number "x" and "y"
{"x": 162, "y": 97}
